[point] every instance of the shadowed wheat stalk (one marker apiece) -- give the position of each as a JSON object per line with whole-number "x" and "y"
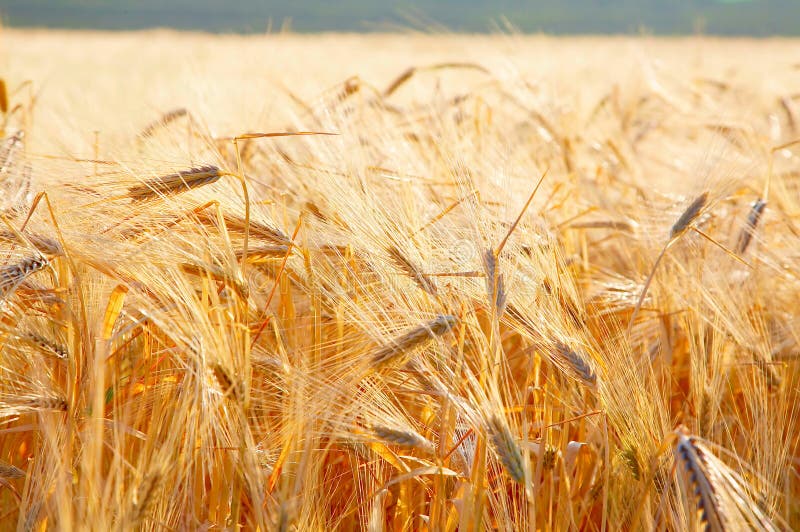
{"x": 692, "y": 459}
{"x": 750, "y": 226}
{"x": 13, "y": 275}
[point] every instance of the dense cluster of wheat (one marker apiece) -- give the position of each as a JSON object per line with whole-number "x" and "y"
{"x": 487, "y": 311}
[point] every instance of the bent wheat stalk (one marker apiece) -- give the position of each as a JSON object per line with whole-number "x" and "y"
{"x": 164, "y": 120}
{"x": 577, "y": 363}
{"x": 682, "y": 225}
{"x": 506, "y": 448}
{"x": 408, "y": 267}
{"x": 263, "y": 253}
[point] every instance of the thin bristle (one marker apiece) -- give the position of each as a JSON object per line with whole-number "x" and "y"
{"x": 263, "y": 253}
{"x": 218, "y": 274}
{"x": 174, "y": 183}
{"x": 415, "y": 338}
{"x": 746, "y": 236}
{"x": 689, "y": 215}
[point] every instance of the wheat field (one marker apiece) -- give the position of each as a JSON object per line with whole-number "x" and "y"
{"x": 398, "y": 282}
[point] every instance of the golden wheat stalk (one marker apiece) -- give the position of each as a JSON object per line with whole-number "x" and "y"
{"x": 13, "y": 404}
{"x": 260, "y": 254}
{"x": 237, "y": 223}
{"x": 226, "y": 381}
{"x": 577, "y": 363}
{"x": 506, "y": 448}
{"x": 45, "y": 244}
{"x": 163, "y": 121}
{"x": 32, "y": 516}
{"x": 617, "y": 225}
{"x": 422, "y": 280}
{"x": 772, "y": 380}
{"x": 403, "y": 438}
{"x": 399, "y": 349}
{"x": 13, "y": 275}
{"x": 174, "y": 183}
{"x": 495, "y": 285}
{"x": 411, "y": 71}
{"x": 689, "y": 216}
{"x": 681, "y": 225}
{"x": 218, "y": 274}
{"x": 47, "y": 346}
{"x": 144, "y": 496}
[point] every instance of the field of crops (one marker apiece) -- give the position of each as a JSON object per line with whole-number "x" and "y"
{"x": 398, "y": 282}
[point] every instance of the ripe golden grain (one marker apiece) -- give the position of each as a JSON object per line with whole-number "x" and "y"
{"x": 174, "y": 183}
{"x": 399, "y": 349}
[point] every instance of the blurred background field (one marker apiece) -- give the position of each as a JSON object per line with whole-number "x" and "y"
{"x": 722, "y": 17}
{"x": 116, "y": 82}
